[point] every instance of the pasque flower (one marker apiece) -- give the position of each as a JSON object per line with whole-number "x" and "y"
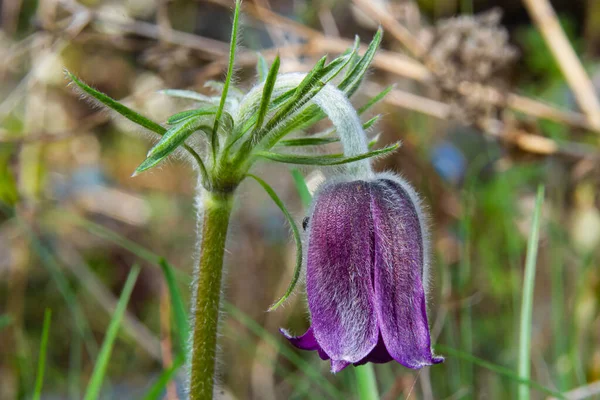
{"x": 366, "y": 255}
{"x": 366, "y": 275}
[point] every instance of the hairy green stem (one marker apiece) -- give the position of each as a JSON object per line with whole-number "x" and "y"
{"x": 205, "y": 308}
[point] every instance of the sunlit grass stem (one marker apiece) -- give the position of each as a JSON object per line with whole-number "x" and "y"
{"x": 527, "y": 304}
{"x": 366, "y": 382}
{"x": 39, "y": 380}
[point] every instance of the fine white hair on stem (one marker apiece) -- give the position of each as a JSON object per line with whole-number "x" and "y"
{"x": 344, "y": 117}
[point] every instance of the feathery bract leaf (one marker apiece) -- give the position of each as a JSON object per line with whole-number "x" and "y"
{"x": 329, "y": 159}
{"x": 262, "y": 68}
{"x": 118, "y": 107}
{"x": 297, "y": 239}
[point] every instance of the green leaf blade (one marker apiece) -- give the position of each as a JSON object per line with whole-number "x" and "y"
{"x": 229, "y": 76}
{"x": 133, "y": 117}
{"x": 39, "y": 380}
{"x": 354, "y": 78}
{"x": 498, "y": 369}
{"x": 172, "y": 139}
{"x": 302, "y": 94}
{"x": 181, "y": 116}
{"x": 307, "y": 141}
{"x": 118, "y": 107}
{"x": 262, "y": 68}
{"x": 375, "y": 99}
{"x": 367, "y": 125}
{"x": 95, "y": 384}
{"x": 179, "y": 312}
{"x": 335, "y": 67}
{"x": 297, "y": 239}
{"x": 186, "y": 94}
{"x": 302, "y": 188}
{"x": 156, "y": 390}
{"x": 267, "y": 92}
{"x": 325, "y": 160}
{"x": 527, "y": 302}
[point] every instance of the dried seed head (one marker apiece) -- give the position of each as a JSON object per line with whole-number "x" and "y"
{"x": 469, "y": 55}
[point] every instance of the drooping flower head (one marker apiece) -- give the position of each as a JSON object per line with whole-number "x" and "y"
{"x": 366, "y": 276}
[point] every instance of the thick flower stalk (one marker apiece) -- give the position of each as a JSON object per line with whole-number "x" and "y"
{"x": 226, "y": 135}
{"x": 366, "y": 277}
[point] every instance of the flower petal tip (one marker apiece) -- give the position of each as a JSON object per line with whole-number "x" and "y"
{"x": 303, "y": 342}
{"x": 437, "y": 359}
{"x": 338, "y": 365}
{"x": 285, "y": 333}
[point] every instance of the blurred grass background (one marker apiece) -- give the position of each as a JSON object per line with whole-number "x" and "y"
{"x": 73, "y": 222}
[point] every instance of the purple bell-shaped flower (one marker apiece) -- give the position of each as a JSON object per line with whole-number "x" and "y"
{"x": 366, "y": 276}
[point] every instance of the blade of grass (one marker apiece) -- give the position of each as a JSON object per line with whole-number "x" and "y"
{"x": 156, "y": 390}
{"x": 75, "y": 367}
{"x": 119, "y": 240}
{"x": 557, "y": 279}
{"x": 179, "y": 312}
{"x": 249, "y": 346}
{"x": 39, "y": 380}
{"x": 306, "y": 368}
{"x": 111, "y": 236}
{"x": 527, "y": 305}
{"x": 464, "y": 278}
{"x": 154, "y": 259}
{"x": 95, "y": 384}
{"x": 48, "y": 260}
{"x": 500, "y": 370}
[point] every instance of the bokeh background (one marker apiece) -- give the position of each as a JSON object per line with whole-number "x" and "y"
{"x": 487, "y": 108}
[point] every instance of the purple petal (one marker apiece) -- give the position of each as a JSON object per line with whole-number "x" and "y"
{"x": 305, "y": 342}
{"x": 378, "y": 355}
{"x": 399, "y": 263}
{"x": 339, "y": 272}
{"x": 337, "y": 366}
